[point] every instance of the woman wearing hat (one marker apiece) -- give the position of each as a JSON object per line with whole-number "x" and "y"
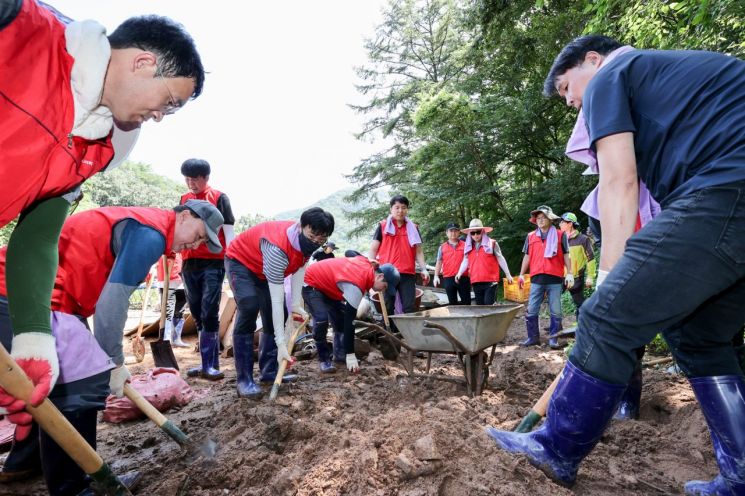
{"x": 482, "y": 258}
{"x": 449, "y": 258}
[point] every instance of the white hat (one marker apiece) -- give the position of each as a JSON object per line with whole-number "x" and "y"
{"x": 477, "y": 225}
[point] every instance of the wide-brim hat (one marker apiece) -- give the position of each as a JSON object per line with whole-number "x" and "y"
{"x": 477, "y": 225}
{"x": 545, "y": 210}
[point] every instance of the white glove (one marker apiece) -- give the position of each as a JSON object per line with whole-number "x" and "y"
{"x": 602, "y": 274}
{"x": 298, "y": 309}
{"x": 352, "y": 364}
{"x": 282, "y": 353}
{"x": 569, "y": 280}
{"x": 436, "y": 281}
{"x": 119, "y": 377}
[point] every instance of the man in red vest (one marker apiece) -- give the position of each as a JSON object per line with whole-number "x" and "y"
{"x": 204, "y": 271}
{"x": 72, "y": 102}
{"x": 547, "y": 259}
{"x": 397, "y": 241}
{"x": 104, "y": 254}
{"x": 482, "y": 258}
{"x": 257, "y": 263}
{"x": 449, "y": 258}
{"x": 333, "y": 292}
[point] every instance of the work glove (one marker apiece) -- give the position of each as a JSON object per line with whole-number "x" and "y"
{"x": 299, "y": 314}
{"x": 602, "y": 274}
{"x": 36, "y": 354}
{"x": 589, "y": 282}
{"x": 282, "y": 353}
{"x": 457, "y": 278}
{"x": 425, "y": 277}
{"x": 119, "y": 377}
{"x": 569, "y": 280}
{"x": 521, "y": 281}
{"x": 352, "y": 364}
{"x": 436, "y": 281}
{"x": 510, "y": 280}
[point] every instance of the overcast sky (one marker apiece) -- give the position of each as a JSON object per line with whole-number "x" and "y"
{"x": 273, "y": 119}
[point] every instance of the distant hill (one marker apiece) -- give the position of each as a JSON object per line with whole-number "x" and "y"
{"x": 338, "y": 206}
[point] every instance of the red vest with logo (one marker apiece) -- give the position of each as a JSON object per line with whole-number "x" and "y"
{"x": 395, "y": 249}
{"x": 246, "y": 247}
{"x": 211, "y": 195}
{"x": 541, "y": 265}
{"x": 85, "y": 256}
{"x": 483, "y": 266}
{"x": 326, "y": 274}
{"x": 451, "y": 257}
{"x": 39, "y": 158}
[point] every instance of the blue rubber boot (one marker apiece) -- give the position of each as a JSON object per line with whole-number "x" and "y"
{"x": 209, "y": 348}
{"x": 322, "y": 346}
{"x": 178, "y": 327}
{"x": 722, "y": 400}
{"x": 339, "y": 354}
{"x": 578, "y": 413}
{"x": 268, "y": 360}
{"x": 553, "y": 329}
{"x": 243, "y": 353}
{"x": 628, "y": 409}
{"x": 531, "y": 325}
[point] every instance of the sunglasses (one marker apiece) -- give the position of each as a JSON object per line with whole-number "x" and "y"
{"x": 473, "y": 233}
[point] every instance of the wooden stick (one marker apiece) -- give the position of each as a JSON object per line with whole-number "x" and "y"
{"x": 158, "y": 418}
{"x": 539, "y": 409}
{"x": 658, "y": 361}
{"x": 283, "y": 367}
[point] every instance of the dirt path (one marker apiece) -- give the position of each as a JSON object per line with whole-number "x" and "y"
{"x": 383, "y": 433}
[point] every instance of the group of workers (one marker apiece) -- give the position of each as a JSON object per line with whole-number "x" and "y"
{"x": 657, "y": 125}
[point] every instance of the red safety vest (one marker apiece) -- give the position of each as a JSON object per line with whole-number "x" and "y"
{"x": 85, "y": 256}
{"x": 541, "y": 265}
{"x": 326, "y": 274}
{"x": 452, "y": 257}
{"x": 175, "y": 268}
{"x": 211, "y": 195}
{"x": 246, "y": 247}
{"x": 39, "y": 158}
{"x": 483, "y": 266}
{"x": 395, "y": 249}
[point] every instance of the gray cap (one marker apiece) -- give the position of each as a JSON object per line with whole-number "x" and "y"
{"x": 391, "y": 276}
{"x": 212, "y": 219}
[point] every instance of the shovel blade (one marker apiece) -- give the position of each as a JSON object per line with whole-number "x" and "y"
{"x": 163, "y": 354}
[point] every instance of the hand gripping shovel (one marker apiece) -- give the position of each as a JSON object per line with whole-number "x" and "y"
{"x": 138, "y": 344}
{"x": 283, "y": 367}
{"x": 15, "y": 382}
{"x": 162, "y": 352}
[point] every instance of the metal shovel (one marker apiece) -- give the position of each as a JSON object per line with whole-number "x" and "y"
{"x": 162, "y": 352}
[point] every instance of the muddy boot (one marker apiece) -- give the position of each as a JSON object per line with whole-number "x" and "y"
{"x": 722, "y": 401}
{"x": 178, "y": 327}
{"x": 531, "y": 325}
{"x": 578, "y": 413}
{"x": 320, "y": 331}
{"x": 554, "y": 328}
{"x": 340, "y": 355}
{"x": 243, "y": 352}
{"x": 208, "y": 348}
{"x": 268, "y": 360}
{"x": 628, "y": 409}
{"x": 23, "y": 461}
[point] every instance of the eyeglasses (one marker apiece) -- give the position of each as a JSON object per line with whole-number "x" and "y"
{"x": 316, "y": 238}
{"x": 173, "y": 104}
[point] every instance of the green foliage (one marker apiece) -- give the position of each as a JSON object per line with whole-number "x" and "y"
{"x": 658, "y": 346}
{"x": 132, "y": 184}
{"x": 248, "y": 220}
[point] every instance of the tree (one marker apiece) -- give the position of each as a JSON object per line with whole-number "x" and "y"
{"x": 132, "y": 184}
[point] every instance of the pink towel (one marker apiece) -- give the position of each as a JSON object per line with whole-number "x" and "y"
{"x": 411, "y": 231}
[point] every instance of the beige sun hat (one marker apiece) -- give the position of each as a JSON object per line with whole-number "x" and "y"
{"x": 477, "y": 225}
{"x": 545, "y": 210}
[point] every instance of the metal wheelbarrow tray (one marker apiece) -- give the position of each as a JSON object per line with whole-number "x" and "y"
{"x": 463, "y": 330}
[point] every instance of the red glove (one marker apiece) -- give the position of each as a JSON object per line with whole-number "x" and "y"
{"x": 36, "y": 354}
{"x": 521, "y": 282}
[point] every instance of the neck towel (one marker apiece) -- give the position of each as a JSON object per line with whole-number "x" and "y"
{"x": 552, "y": 242}
{"x": 486, "y": 244}
{"x": 411, "y": 231}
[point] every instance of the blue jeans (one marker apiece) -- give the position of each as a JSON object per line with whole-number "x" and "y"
{"x": 683, "y": 274}
{"x": 203, "y": 290}
{"x": 536, "y": 296}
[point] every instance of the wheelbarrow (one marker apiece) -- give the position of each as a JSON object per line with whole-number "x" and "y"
{"x": 465, "y": 331}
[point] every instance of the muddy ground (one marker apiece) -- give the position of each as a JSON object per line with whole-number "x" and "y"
{"x": 369, "y": 434}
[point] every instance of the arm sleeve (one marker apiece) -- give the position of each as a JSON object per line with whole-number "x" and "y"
{"x": 439, "y": 254}
{"x": 463, "y": 265}
{"x": 526, "y": 245}
{"x": 351, "y": 293}
{"x": 137, "y": 248}
{"x": 223, "y": 205}
{"x": 296, "y": 288}
{"x": 229, "y": 232}
{"x": 275, "y": 262}
{"x": 501, "y": 260}
{"x": 277, "y": 295}
{"x": 378, "y": 234}
{"x": 564, "y": 243}
{"x": 8, "y": 11}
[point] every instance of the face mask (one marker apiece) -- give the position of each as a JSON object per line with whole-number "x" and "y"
{"x": 307, "y": 247}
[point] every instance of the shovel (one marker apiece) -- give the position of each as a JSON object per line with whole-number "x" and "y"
{"x": 571, "y": 332}
{"x": 392, "y": 351}
{"x": 539, "y": 409}
{"x": 162, "y": 352}
{"x": 283, "y": 367}
{"x": 138, "y": 344}
{"x": 15, "y": 382}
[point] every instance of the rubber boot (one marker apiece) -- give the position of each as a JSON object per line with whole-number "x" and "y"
{"x": 208, "y": 348}
{"x": 322, "y": 346}
{"x": 628, "y": 409}
{"x": 268, "y": 360}
{"x": 23, "y": 461}
{"x": 553, "y": 329}
{"x": 340, "y": 355}
{"x": 722, "y": 401}
{"x": 578, "y": 413}
{"x": 243, "y": 352}
{"x": 531, "y": 325}
{"x": 178, "y": 327}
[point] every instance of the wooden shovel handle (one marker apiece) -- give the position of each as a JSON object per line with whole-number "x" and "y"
{"x": 144, "y": 306}
{"x": 384, "y": 310}
{"x": 542, "y": 404}
{"x": 283, "y": 366}
{"x": 144, "y": 405}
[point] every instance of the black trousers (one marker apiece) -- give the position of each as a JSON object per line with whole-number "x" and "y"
{"x": 454, "y": 289}
{"x": 485, "y": 292}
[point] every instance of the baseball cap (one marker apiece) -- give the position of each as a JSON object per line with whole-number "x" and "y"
{"x": 570, "y": 217}
{"x": 212, "y": 219}
{"x": 391, "y": 276}
{"x": 331, "y": 245}
{"x": 452, "y": 225}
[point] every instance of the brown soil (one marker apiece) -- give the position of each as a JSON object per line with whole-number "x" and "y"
{"x": 363, "y": 435}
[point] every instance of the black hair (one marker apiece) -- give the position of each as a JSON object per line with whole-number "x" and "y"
{"x": 168, "y": 40}
{"x": 573, "y": 54}
{"x": 399, "y": 199}
{"x": 195, "y": 167}
{"x": 320, "y": 221}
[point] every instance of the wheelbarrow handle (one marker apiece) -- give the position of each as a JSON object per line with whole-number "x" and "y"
{"x": 389, "y": 334}
{"x": 448, "y": 335}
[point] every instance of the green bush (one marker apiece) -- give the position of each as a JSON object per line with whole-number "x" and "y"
{"x": 658, "y": 346}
